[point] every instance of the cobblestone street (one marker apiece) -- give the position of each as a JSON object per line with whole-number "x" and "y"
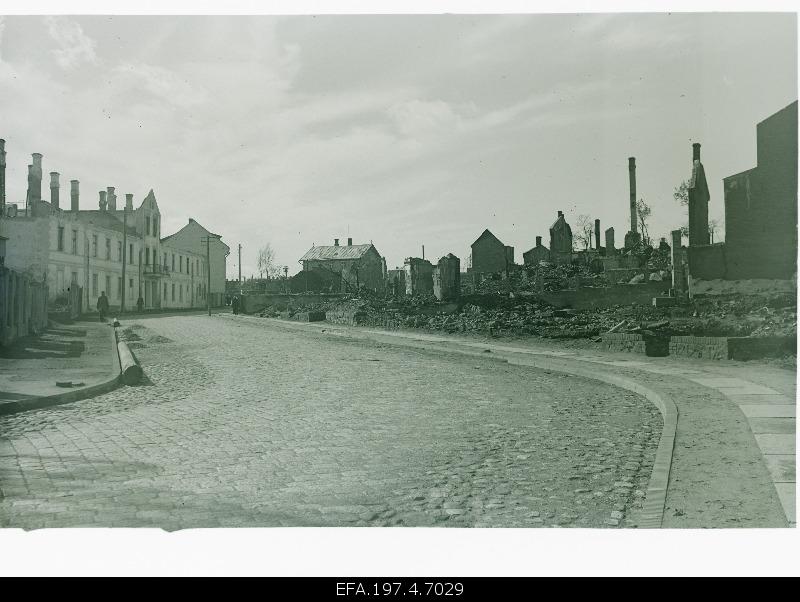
{"x": 253, "y": 424}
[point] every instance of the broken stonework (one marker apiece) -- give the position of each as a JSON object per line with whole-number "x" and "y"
{"x": 447, "y": 278}
{"x": 418, "y": 276}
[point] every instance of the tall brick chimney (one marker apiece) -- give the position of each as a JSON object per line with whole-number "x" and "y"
{"x": 36, "y": 177}
{"x": 560, "y": 214}
{"x": 111, "y": 198}
{"x": 632, "y": 180}
{"x": 538, "y": 241}
{"x": 698, "y": 201}
{"x": 74, "y": 194}
{"x": 129, "y": 202}
{"x": 696, "y": 151}
{"x": 2, "y": 177}
{"x": 54, "y": 189}
{"x": 597, "y": 234}
{"x": 103, "y": 200}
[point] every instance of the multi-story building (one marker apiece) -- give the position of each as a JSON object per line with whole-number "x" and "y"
{"x": 111, "y": 249}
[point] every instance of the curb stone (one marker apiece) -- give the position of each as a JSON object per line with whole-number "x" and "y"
{"x": 37, "y": 403}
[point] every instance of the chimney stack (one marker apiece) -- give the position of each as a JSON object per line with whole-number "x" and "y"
{"x": 632, "y": 180}
{"x": 74, "y": 194}
{"x": 2, "y": 177}
{"x": 597, "y": 234}
{"x": 349, "y": 242}
{"x": 335, "y": 242}
{"x": 128, "y": 202}
{"x": 54, "y": 189}
{"x": 103, "y": 200}
{"x": 111, "y": 198}
{"x": 696, "y": 151}
{"x": 538, "y": 241}
{"x": 560, "y": 214}
{"x": 36, "y": 177}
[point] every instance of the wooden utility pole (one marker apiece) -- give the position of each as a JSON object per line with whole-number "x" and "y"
{"x": 207, "y": 240}
{"x": 124, "y": 256}
{"x": 240, "y": 264}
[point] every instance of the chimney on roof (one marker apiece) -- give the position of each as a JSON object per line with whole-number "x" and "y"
{"x": 349, "y": 242}
{"x": 36, "y": 177}
{"x": 74, "y": 194}
{"x": 2, "y": 176}
{"x": 128, "y": 202}
{"x": 111, "y": 198}
{"x": 597, "y": 234}
{"x": 335, "y": 242}
{"x": 103, "y": 200}
{"x": 54, "y": 189}
{"x": 560, "y": 214}
{"x": 632, "y": 181}
{"x": 538, "y": 241}
{"x": 696, "y": 151}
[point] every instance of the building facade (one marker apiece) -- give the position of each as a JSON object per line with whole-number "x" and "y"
{"x": 354, "y": 266}
{"x": 490, "y": 255}
{"x": 114, "y": 249}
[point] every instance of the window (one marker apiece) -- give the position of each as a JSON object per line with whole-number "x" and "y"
{"x": 181, "y": 262}
{"x": 165, "y": 291}
{"x": 130, "y": 255}
{"x": 60, "y": 241}
{"x": 130, "y": 283}
{"x": 119, "y": 250}
{"x": 94, "y": 245}
{"x": 173, "y": 269}
{"x": 173, "y": 291}
{"x": 147, "y": 256}
{"x": 108, "y": 286}
{"x": 119, "y": 287}
{"x": 155, "y": 225}
{"x": 74, "y": 279}
{"x": 180, "y": 292}
{"x": 94, "y": 285}
{"x": 147, "y": 225}
{"x": 108, "y": 248}
{"x": 74, "y": 242}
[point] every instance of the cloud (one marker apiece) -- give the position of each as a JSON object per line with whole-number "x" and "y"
{"x": 74, "y": 46}
{"x": 162, "y": 83}
{"x": 2, "y": 28}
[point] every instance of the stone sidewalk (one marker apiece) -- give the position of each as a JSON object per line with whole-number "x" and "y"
{"x": 764, "y": 395}
{"x": 83, "y": 353}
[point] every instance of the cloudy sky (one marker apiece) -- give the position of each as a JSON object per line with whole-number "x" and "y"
{"x": 403, "y": 130}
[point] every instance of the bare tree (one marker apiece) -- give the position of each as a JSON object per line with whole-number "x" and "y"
{"x": 266, "y": 262}
{"x": 643, "y": 212}
{"x": 584, "y": 229}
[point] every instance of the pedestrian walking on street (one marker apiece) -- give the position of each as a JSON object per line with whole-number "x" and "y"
{"x": 235, "y": 305}
{"x": 102, "y": 306}
{"x": 140, "y": 304}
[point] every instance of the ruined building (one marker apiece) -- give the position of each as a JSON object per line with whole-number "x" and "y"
{"x": 760, "y": 211}
{"x": 418, "y": 276}
{"x": 536, "y": 254}
{"x": 633, "y": 237}
{"x": 561, "y": 241}
{"x": 447, "y": 278}
{"x": 356, "y": 266}
{"x": 490, "y": 255}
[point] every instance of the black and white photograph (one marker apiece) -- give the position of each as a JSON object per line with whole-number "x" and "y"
{"x": 397, "y": 274}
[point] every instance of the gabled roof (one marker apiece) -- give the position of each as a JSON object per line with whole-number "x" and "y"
{"x": 326, "y": 253}
{"x": 103, "y": 219}
{"x": 486, "y": 234}
{"x": 563, "y": 220}
{"x": 150, "y": 197}
{"x": 194, "y": 223}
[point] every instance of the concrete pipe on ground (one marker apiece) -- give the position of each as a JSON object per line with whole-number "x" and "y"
{"x": 131, "y": 371}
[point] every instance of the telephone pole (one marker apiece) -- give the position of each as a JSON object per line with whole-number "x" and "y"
{"x": 240, "y": 264}
{"x": 207, "y": 240}
{"x": 124, "y": 257}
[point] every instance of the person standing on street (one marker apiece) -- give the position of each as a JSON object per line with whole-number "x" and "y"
{"x": 235, "y": 305}
{"x": 102, "y": 306}
{"x": 140, "y": 304}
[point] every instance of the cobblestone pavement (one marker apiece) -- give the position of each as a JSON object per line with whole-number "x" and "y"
{"x": 244, "y": 424}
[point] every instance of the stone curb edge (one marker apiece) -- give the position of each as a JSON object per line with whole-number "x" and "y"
{"x": 37, "y": 403}
{"x": 652, "y": 513}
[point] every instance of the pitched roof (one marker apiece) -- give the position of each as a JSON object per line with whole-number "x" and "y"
{"x": 104, "y": 219}
{"x": 486, "y": 234}
{"x": 337, "y": 252}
